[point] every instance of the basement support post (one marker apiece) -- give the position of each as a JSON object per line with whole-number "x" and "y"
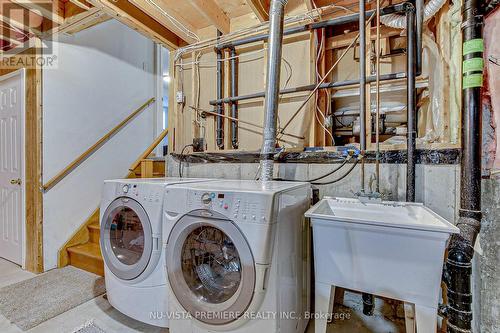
{"x": 458, "y": 267}
{"x": 275, "y": 46}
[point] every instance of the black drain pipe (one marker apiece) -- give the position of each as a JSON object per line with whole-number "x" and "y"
{"x": 219, "y": 135}
{"x": 458, "y": 266}
{"x": 234, "y": 92}
{"x": 411, "y": 100}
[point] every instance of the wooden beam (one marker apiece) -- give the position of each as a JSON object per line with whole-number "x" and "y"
{"x": 160, "y": 12}
{"x": 53, "y": 11}
{"x": 341, "y": 41}
{"x": 260, "y": 9}
{"x": 310, "y": 4}
{"x": 80, "y": 4}
{"x": 11, "y": 40}
{"x": 211, "y": 10}
{"x": 79, "y": 22}
{"x": 16, "y": 21}
{"x": 129, "y": 14}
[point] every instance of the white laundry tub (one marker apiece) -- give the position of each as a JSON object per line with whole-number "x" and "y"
{"x": 389, "y": 249}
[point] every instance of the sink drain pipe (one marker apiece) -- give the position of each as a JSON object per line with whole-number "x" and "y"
{"x": 234, "y": 92}
{"x": 458, "y": 266}
{"x": 274, "y": 50}
{"x": 219, "y": 136}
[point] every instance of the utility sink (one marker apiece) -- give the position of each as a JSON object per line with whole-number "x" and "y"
{"x": 389, "y": 249}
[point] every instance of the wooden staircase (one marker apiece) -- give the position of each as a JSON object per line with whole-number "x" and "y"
{"x": 83, "y": 249}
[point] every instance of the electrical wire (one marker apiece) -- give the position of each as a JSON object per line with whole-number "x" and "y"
{"x": 174, "y": 21}
{"x": 319, "y": 77}
{"x": 309, "y": 16}
{"x": 353, "y": 42}
{"x": 341, "y": 177}
{"x": 289, "y": 71}
{"x": 181, "y": 157}
{"x": 344, "y": 162}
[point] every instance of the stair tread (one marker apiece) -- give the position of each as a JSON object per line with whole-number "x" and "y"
{"x": 92, "y": 250}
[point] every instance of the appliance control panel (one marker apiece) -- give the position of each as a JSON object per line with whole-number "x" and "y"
{"x": 140, "y": 193}
{"x": 242, "y": 207}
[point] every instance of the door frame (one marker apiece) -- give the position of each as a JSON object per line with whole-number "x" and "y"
{"x": 33, "y": 130}
{"x": 22, "y": 100}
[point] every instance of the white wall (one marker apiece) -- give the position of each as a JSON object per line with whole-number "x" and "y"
{"x": 103, "y": 74}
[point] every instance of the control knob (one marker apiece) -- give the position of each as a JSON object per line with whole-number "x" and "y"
{"x": 206, "y": 199}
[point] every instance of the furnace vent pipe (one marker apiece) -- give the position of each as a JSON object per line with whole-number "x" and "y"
{"x": 398, "y": 21}
{"x": 275, "y": 45}
{"x": 423, "y": 14}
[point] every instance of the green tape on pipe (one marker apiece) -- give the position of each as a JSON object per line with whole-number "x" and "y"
{"x": 473, "y": 65}
{"x": 473, "y": 46}
{"x": 472, "y": 81}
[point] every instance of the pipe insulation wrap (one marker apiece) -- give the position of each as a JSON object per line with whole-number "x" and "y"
{"x": 275, "y": 46}
{"x": 398, "y": 21}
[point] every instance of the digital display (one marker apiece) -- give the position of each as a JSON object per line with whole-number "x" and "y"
{"x": 220, "y": 195}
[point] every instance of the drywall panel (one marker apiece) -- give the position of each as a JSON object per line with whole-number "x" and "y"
{"x": 103, "y": 74}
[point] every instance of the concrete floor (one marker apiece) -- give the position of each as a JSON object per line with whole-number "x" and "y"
{"x": 387, "y": 318}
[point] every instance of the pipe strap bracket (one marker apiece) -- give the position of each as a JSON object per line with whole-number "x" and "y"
{"x": 476, "y": 215}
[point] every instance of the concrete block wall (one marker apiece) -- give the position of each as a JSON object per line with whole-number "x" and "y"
{"x": 431, "y": 180}
{"x": 438, "y": 187}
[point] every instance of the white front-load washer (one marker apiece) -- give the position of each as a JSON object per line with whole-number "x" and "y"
{"x": 237, "y": 256}
{"x": 132, "y": 247}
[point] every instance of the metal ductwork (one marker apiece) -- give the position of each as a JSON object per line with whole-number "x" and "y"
{"x": 398, "y": 21}
{"x": 275, "y": 45}
{"x": 458, "y": 267}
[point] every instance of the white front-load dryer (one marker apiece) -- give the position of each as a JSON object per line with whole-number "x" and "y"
{"x": 133, "y": 249}
{"x": 237, "y": 256}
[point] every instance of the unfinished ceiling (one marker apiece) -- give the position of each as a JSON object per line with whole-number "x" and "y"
{"x": 169, "y": 22}
{"x": 22, "y": 20}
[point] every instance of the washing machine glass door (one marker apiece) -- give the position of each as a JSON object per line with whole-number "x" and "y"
{"x": 211, "y": 269}
{"x": 126, "y": 239}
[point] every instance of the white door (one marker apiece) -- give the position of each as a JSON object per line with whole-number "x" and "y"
{"x": 11, "y": 166}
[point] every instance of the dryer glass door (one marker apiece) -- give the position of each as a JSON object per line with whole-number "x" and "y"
{"x": 211, "y": 269}
{"x": 126, "y": 239}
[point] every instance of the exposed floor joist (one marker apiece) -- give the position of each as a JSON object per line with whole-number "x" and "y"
{"x": 80, "y": 4}
{"x": 10, "y": 40}
{"x": 17, "y": 23}
{"x": 129, "y": 14}
{"x": 168, "y": 18}
{"x": 79, "y": 22}
{"x": 213, "y": 13}
{"x": 53, "y": 10}
{"x": 260, "y": 9}
{"x": 310, "y": 4}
